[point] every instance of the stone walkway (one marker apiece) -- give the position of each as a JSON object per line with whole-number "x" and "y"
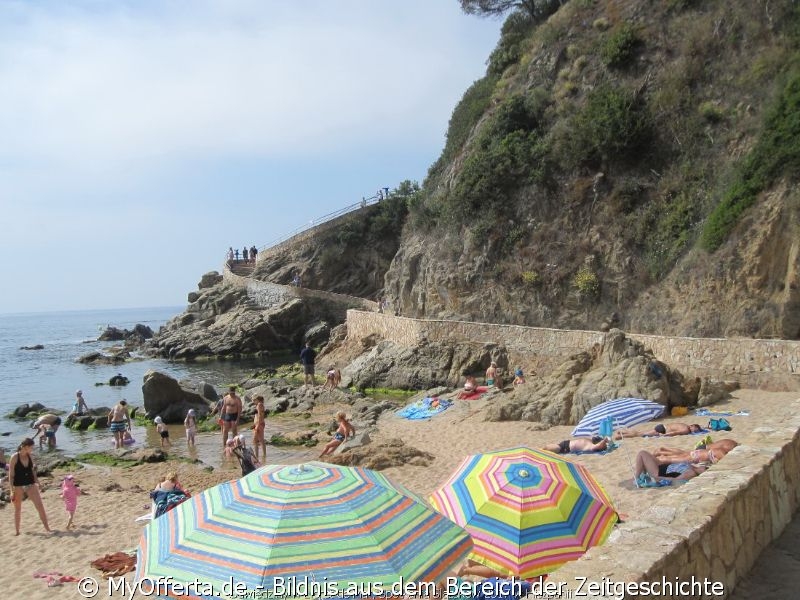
{"x": 776, "y": 574}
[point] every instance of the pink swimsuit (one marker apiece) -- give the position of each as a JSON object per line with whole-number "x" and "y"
{"x": 70, "y": 494}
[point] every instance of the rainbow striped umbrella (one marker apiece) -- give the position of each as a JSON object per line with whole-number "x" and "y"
{"x": 282, "y": 527}
{"x": 528, "y": 511}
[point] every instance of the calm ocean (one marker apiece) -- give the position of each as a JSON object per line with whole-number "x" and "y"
{"x": 51, "y": 376}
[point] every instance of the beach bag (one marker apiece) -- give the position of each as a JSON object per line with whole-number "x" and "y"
{"x": 720, "y": 424}
{"x": 606, "y": 428}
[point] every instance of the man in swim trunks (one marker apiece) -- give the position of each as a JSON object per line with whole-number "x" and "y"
{"x": 46, "y": 426}
{"x": 581, "y": 444}
{"x": 491, "y": 374}
{"x": 660, "y": 430}
{"x": 230, "y": 411}
{"x": 119, "y": 421}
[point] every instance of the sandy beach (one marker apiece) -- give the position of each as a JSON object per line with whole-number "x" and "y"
{"x": 116, "y": 496}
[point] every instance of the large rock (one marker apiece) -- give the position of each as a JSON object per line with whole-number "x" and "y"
{"x": 164, "y": 397}
{"x": 209, "y": 280}
{"x": 617, "y": 368}
{"x": 100, "y": 358}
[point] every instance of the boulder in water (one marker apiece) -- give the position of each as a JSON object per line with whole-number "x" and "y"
{"x": 166, "y": 398}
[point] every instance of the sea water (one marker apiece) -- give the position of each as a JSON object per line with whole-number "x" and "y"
{"x": 51, "y": 375}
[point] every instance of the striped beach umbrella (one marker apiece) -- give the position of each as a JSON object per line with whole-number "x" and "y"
{"x": 624, "y": 412}
{"x": 316, "y": 525}
{"x": 528, "y": 511}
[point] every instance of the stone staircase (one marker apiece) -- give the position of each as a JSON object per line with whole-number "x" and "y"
{"x": 241, "y": 268}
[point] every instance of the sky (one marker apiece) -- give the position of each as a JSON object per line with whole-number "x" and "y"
{"x": 139, "y": 139}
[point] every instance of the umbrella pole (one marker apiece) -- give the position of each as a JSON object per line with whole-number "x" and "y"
{"x": 628, "y": 456}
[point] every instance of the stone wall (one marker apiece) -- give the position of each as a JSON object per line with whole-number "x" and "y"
{"x": 768, "y": 364}
{"x": 267, "y": 295}
{"x": 713, "y": 527}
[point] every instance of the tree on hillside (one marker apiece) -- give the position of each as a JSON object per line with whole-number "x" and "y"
{"x": 538, "y": 10}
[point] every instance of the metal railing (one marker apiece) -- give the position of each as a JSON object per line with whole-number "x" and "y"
{"x": 326, "y": 218}
{"x": 382, "y": 194}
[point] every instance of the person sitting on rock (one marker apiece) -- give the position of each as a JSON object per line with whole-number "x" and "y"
{"x": 660, "y": 430}
{"x": 343, "y": 431}
{"x": 519, "y": 376}
{"x": 580, "y": 444}
{"x": 79, "y": 408}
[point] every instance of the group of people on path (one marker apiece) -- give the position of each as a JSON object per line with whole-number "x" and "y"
{"x": 247, "y": 255}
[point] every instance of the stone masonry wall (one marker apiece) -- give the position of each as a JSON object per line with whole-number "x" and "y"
{"x": 267, "y": 295}
{"x": 768, "y": 364}
{"x": 714, "y": 527}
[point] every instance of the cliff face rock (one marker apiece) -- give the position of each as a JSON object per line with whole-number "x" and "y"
{"x": 570, "y": 236}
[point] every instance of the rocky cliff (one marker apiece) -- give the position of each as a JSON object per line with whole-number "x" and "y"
{"x": 634, "y": 159}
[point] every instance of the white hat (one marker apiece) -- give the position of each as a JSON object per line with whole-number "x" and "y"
{"x": 158, "y": 420}
{"x": 191, "y": 412}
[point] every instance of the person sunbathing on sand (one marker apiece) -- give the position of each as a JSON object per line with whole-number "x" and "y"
{"x": 581, "y": 444}
{"x": 651, "y": 471}
{"x": 711, "y": 454}
{"x": 660, "y": 430}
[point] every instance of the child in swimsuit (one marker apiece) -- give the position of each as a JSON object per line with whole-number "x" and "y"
{"x": 519, "y": 377}
{"x": 259, "y": 424}
{"x": 344, "y": 431}
{"x": 190, "y": 424}
{"x": 70, "y": 493}
{"x": 162, "y": 431}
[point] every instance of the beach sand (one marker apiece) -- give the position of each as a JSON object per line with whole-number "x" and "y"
{"x": 116, "y": 496}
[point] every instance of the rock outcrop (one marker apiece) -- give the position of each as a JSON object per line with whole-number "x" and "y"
{"x": 167, "y": 398}
{"x": 424, "y": 366}
{"x": 617, "y": 368}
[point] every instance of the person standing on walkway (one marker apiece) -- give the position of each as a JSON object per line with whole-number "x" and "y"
{"x": 24, "y": 482}
{"x": 253, "y": 254}
{"x": 245, "y": 252}
{"x": 307, "y": 356}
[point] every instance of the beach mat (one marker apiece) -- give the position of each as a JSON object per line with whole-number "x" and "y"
{"x": 479, "y": 391}
{"x": 704, "y": 412}
{"x": 424, "y": 409}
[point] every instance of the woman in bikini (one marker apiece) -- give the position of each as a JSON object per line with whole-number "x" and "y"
{"x": 344, "y": 431}
{"x": 259, "y": 424}
{"x": 23, "y": 481}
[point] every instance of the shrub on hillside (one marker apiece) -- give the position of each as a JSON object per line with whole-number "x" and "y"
{"x": 586, "y": 282}
{"x": 516, "y": 29}
{"x": 776, "y": 154}
{"x": 613, "y": 123}
{"x": 619, "y": 47}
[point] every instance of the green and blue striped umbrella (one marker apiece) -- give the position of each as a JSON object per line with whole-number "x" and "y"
{"x": 315, "y": 523}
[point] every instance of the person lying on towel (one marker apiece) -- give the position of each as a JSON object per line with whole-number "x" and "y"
{"x": 660, "y": 430}
{"x": 580, "y": 444}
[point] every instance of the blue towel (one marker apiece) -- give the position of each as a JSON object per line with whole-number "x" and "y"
{"x": 704, "y": 412}
{"x": 422, "y": 409}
